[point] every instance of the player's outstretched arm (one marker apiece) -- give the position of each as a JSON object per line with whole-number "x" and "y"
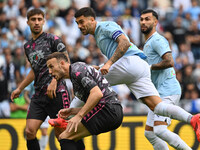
{"x": 123, "y": 45}
{"x": 93, "y": 99}
{"x": 29, "y": 78}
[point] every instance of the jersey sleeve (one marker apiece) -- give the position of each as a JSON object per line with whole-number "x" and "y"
{"x": 86, "y": 80}
{"x": 161, "y": 46}
{"x": 113, "y": 31}
{"x": 58, "y": 45}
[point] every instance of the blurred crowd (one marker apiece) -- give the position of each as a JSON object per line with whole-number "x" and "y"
{"x": 179, "y": 22}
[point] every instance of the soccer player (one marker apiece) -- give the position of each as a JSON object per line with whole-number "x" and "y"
{"x": 102, "y": 111}
{"x": 163, "y": 75}
{"x": 126, "y": 65}
{"x": 50, "y": 96}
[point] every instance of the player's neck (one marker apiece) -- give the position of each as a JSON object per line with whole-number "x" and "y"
{"x": 147, "y": 36}
{"x": 67, "y": 70}
{"x": 35, "y": 36}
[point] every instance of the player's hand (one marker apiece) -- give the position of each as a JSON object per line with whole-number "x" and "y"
{"x": 51, "y": 90}
{"x": 15, "y": 94}
{"x": 73, "y": 123}
{"x": 105, "y": 69}
{"x": 96, "y": 67}
{"x": 64, "y": 113}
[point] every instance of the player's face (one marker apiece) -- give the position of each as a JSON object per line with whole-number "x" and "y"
{"x": 85, "y": 24}
{"x": 55, "y": 69}
{"x": 36, "y": 23}
{"x": 147, "y": 23}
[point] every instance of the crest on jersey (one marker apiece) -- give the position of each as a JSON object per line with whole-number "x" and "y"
{"x": 60, "y": 46}
{"x": 36, "y": 56}
{"x": 86, "y": 81}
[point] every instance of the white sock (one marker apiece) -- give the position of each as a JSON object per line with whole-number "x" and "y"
{"x": 172, "y": 111}
{"x": 171, "y": 138}
{"x": 158, "y": 144}
{"x": 43, "y": 142}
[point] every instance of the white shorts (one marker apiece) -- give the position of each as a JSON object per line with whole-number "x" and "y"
{"x": 5, "y": 109}
{"x": 45, "y": 124}
{"x": 135, "y": 73}
{"x": 76, "y": 102}
{"x": 151, "y": 117}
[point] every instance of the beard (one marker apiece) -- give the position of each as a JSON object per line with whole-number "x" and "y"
{"x": 148, "y": 30}
{"x": 84, "y": 32}
{"x": 36, "y": 31}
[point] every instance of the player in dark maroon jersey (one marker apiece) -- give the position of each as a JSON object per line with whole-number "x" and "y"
{"x": 50, "y": 96}
{"x": 102, "y": 111}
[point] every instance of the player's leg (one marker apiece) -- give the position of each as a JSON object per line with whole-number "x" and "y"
{"x": 32, "y": 126}
{"x": 135, "y": 73}
{"x": 144, "y": 90}
{"x": 171, "y": 138}
{"x": 70, "y": 140}
{"x": 102, "y": 118}
{"x": 61, "y": 101}
{"x": 161, "y": 123}
{"x": 44, "y": 134}
{"x": 149, "y": 134}
{"x": 36, "y": 115}
{"x": 174, "y": 112}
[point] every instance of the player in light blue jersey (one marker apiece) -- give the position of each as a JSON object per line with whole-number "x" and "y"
{"x": 126, "y": 65}
{"x": 163, "y": 76}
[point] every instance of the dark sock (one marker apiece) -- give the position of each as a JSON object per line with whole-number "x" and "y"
{"x": 66, "y": 144}
{"x": 80, "y": 145}
{"x": 33, "y": 144}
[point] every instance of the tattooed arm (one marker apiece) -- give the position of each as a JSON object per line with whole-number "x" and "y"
{"x": 167, "y": 62}
{"x": 123, "y": 45}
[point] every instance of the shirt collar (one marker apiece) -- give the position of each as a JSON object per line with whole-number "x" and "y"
{"x": 150, "y": 37}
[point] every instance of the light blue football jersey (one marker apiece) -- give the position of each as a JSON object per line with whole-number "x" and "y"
{"x": 164, "y": 80}
{"x": 106, "y": 33}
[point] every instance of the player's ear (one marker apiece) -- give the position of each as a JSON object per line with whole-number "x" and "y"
{"x": 92, "y": 18}
{"x": 155, "y": 21}
{"x": 62, "y": 62}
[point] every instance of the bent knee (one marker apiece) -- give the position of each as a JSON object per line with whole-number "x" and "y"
{"x": 151, "y": 101}
{"x": 30, "y": 133}
{"x": 149, "y": 135}
{"x": 65, "y": 135}
{"x": 159, "y": 130}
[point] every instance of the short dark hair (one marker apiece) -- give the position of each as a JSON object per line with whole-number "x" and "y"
{"x": 155, "y": 14}
{"x": 58, "y": 56}
{"x": 86, "y": 12}
{"x": 33, "y": 12}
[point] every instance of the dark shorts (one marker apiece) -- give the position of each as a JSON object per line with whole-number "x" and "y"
{"x": 42, "y": 106}
{"x": 103, "y": 118}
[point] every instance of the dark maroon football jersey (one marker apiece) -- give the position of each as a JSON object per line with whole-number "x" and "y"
{"x": 85, "y": 77}
{"x": 37, "y": 52}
